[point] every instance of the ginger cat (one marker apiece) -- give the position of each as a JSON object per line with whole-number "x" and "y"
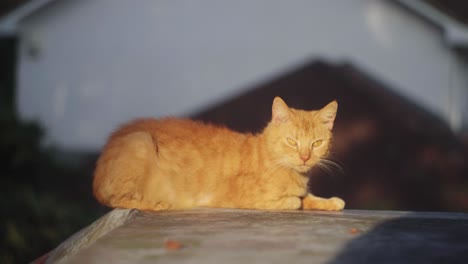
{"x": 161, "y": 164}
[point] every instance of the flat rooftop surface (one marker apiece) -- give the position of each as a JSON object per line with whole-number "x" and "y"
{"x": 250, "y": 236}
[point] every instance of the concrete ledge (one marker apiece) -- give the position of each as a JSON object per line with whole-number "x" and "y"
{"x": 250, "y": 236}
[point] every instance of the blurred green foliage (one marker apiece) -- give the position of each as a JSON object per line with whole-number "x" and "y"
{"x": 43, "y": 201}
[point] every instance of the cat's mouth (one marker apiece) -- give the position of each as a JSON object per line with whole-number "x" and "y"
{"x": 302, "y": 168}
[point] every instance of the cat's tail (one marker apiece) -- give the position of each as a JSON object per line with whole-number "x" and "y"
{"x": 121, "y": 173}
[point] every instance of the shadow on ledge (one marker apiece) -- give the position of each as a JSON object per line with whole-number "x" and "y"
{"x": 410, "y": 240}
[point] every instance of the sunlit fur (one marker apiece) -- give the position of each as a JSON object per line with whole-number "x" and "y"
{"x": 160, "y": 164}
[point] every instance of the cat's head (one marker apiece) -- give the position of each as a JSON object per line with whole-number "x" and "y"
{"x": 299, "y": 139}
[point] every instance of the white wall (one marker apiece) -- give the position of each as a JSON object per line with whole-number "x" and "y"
{"x": 101, "y": 62}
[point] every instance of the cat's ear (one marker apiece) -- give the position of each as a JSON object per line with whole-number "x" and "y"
{"x": 328, "y": 114}
{"x": 280, "y": 111}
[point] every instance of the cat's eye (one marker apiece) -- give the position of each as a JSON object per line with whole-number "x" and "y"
{"x": 317, "y": 143}
{"x": 291, "y": 142}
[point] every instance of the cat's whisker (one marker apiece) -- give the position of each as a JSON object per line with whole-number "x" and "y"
{"x": 330, "y": 167}
{"x": 276, "y": 164}
{"x": 326, "y": 169}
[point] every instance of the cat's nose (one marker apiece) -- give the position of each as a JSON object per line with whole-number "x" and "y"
{"x": 305, "y": 156}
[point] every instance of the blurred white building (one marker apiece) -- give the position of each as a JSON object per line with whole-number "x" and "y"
{"x": 86, "y": 66}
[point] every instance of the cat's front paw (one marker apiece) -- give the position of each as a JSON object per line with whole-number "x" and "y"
{"x": 311, "y": 202}
{"x": 336, "y": 204}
